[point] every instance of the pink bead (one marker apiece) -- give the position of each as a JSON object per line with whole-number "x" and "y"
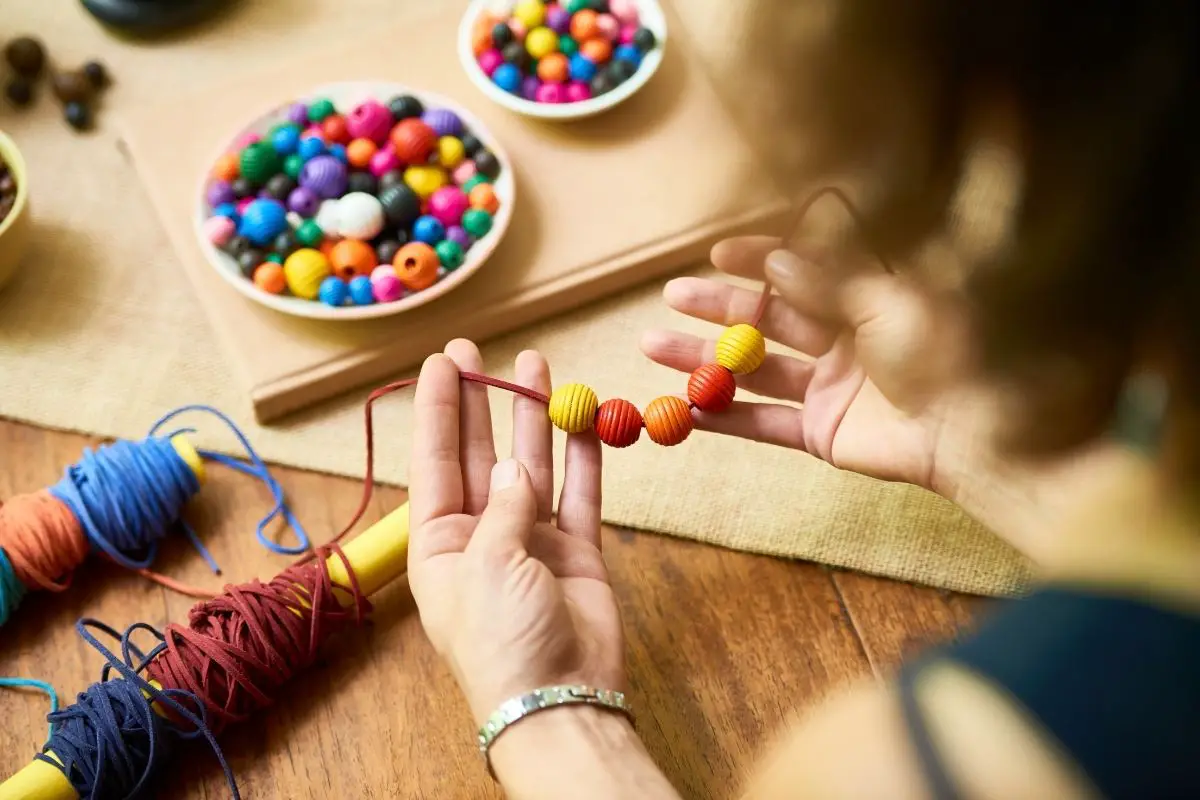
{"x": 369, "y": 120}
{"x": 489, "y": 60}
{"x": 550, "y": 93}
{"x": 577, "y": 92}
{"x": 448, "y": 204}
{"x": 314, "y": 130}
{"x": 608, "y": 26}
{"x": 384, "y": 160}
{"x": 518, "y": 29}
{"x": 246, "y": 139}
{"x": 245, "y": 201}
{"x": 627, "y": 34}
{"x": 626, "y": 11}
{"x": 463, "y": 172}
{"x": 385, "y": 286}
{"x": 219, "y": 230}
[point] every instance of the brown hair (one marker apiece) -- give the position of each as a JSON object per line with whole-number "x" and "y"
{"x": 1100, "y": 267}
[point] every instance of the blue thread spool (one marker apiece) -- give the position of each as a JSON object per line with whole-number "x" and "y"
{"x": 429, "y": 230}
{"x": 360, "y": 291}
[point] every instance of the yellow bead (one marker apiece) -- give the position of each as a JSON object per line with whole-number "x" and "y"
{"x": 450, "y": 151}
{"x": 573, "y": 407}
{"x": 741, "y": 349}
{"x": 304, "y": 270}
{"x": 541, "y": 42}
{"x": 531, "y": 13}
{"x": 425, "y": 180}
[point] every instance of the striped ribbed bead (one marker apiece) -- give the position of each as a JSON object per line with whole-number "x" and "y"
{"x": 711, "y": 388}
{"x": 741, "y": 349}
{"x": 618, "y": 422}
{"x": 668, "y": 420}
{"x": 573, "y": 407}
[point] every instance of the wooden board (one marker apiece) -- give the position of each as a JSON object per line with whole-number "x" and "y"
{"x": 603, "y": 204}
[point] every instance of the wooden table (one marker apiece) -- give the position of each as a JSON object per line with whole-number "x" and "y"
{"x": 723, "y": 648}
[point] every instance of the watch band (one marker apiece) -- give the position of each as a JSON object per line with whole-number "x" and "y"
{"x": 517, "y": 708}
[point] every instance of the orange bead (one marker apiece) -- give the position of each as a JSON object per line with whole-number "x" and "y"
{"x": 711, "y": 388}
{"x": 269, "y": 277}
{"x": 484, "y": 198}
{"x": 334, "y": 129}
{"x": 359, "y": 152}
{"x": 668, "y": 420}
{"x": 597, "y": 50}
{"x": 351, "y": 257}
{"x": 481, "y": 32}
{"x": 416, "y": 266}
{"x": 326, "y": 246}
{"x": 554, "y": 68}
{"x": 227, "y": 168}
{"x": 618, "y": 423}
{"x": 413, "y": 141}
{"x": 583, "y": 25}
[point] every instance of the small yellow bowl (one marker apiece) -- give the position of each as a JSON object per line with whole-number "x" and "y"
{"x": 15, "y": 229}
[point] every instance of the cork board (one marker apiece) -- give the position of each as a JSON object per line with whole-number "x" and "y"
{"x": 602, "y": 204}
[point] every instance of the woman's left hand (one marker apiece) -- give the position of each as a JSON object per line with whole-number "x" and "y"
{"x": 510, "y": 600}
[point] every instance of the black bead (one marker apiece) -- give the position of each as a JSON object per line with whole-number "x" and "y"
{"x": 285, "y": 244}
{"x": 405, "y": 106}
{"x": 250, "y": 258}
{"x": 602, "y": 83}
{"x": 362, "y": 182}
{"x": 237, "y": 245}
{"x": 19, "y": 92}
{"x": 241, "y": 188}
{"x": 644, "y": 39}
{"x": 471, "y": 143}
{"x": 280, "y": 186}
{"x": 501, "y": 35}
{"x": 391, "y": 178}
{"x": 386, "y": 250}
{"x": 487, "y": 164}
{"x": 516, "y": 54}
{"x": 401, "y": 204}
{"x": 96, "y": 74}
{"x": 621, "y": 70}
{"x": 599, "y": 6}
{"x": 78, "y": 116}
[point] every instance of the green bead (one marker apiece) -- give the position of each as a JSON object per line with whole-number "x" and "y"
{"x": 320, "y": 109}
{"x": 450, "y": 253}
{"x": 259, "y": 162}
{"x": 310, "y": 234}
{"x": 292, "y": 165}
{"x": 477, "y": 222}
{"x": 567, "y": 46}
{"x": 578, "y": 5}
{"x": 278, "y": 259}
{"x": 474, "y": 181}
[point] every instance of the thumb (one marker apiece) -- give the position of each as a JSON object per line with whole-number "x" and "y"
{"x": 507, "y": 521}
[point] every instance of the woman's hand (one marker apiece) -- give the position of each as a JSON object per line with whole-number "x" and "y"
{"x": 510, "y": 600}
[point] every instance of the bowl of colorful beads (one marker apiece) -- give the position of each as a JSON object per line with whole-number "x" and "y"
{"x": 357, "y": 200}
{"x": 564, "y": 59}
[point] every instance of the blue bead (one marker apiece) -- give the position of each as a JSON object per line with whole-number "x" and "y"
{"x": 582, "y": 68}
{"x": 262, "y": 221}
{"x": 360, "y": 291}
{"x": 628, "y": 52}
{"x": 286, "y": 139}
{"x": 333, "y": 291}
{"x": 507, "y": 77}
{"x": 429, "y": 230}
{"x": 226, "y": 210}
{"x": 338, "y": 151}
{"x": 310, "y": 147}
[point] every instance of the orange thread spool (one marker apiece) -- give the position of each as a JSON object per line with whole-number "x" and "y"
{"x": 42, "y": 539}
{"x": 413, "y": 141}
{"x": 668, "y": 420}
{"x": 554, "y": 68}
{"x": 598, "y": 50}
{"x": 711, "y": 388}
{"x": 269, "y": 277}
{"x": 359, "y": 152}
{"x": 351, "y": 257}
{"x": 416, "y": 266}
{"x": 618, "y": 423}
{"x": 227, "y": 168}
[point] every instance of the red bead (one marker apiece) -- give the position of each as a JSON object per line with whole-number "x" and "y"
{"x": 711, "y": 388}
{"x": 334, "y": 129}
{"x": 618, "y": 423}
{"x": 413, "y": 141}
{"x": 668, "y": 420}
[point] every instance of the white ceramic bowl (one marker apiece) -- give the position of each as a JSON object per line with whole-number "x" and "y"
{"x": 652, "y": 17}
{"x": 347, "y": 95}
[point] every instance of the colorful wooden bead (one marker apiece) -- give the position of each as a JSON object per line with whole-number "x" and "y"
{"x": 484, "y": 198}
{"x": 262, "y": 221}
{"x": 711, "y": 388}
{"x": 334, "y": 129}
{"x": 384, "y": 161}
{"x": 401, "y": 205}
{"x": 219, "y": 230}
{"x": 428, "y": 229}
{"x": 577, "y": 92}
{"x": 362, "y": 182}
{"x": 310, "y": 147}
{"x": 297, "y": 113}
{"x": 583, "y": 25}
{"x": 628, "y": 53}
{"x": 258, "y": 163}
{"x": 463, "y": 172}
{"x": 450, "y": 151}
{"x": 385, "y": 285}
{"x": 477, "y": 222}
{"x": 269, "y": 277}
{"x": 550, "y": 93}
{"x": 741, "y": 349}
{"x": 361, "y": 293}
{"x": 351, "y": 257}
{"x": 413, "y": 141}
{"x": 325, "y": 176}
{"x": 360, "y": 216}
{"x": 359, "y": 152}
{"x": 455, "y": 233}
{"x": 304, "y": 271}
{"x": 573, "y": 407}
{"x": 310, "y": 233}
{"x": 668, "y": 420}
{"x": 425, "y": 180}
{"x": 285, "y": 138}
{"x": 618, "y": 423}
{"x": 530, "y": 13}
{"x": 405, "y": 106}
{"x": 371, "y": 121}
{"x": 530, "y": 86}
{"x": 442, "y": 121}
{"x": 416, "y": 266}
{"x": 644, "y": 40}
{"x": 218, "y": 192}
{"x": 292, "y": 165}
{"x": 487, "y": 164}
{"x": 319, "y": 109}
{"x": 626, "y": 11}
{"x": 508, "y": 78}
{"x": 582, "y": 68}
{"x": 303, "y": 201}
{"x": 541, "y": 42}
{"x": 490, "y": 60}
{"x": 598, "y": 50}
{"x": 558, "y": 19}
{"x": 333, "y": 291}
{"x": 450, "y": 254}
{"x": 554, "y": 68}
{"x": 448, "y": 204}
{"x": 608, "y": 27}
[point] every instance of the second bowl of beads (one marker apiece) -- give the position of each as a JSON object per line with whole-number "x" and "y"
{"x": 357, "y": 200}
{"x": 562, "y": 59}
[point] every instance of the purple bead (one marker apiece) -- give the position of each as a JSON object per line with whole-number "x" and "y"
{"x": 304, "y": 201}
{"x": 443, "y": 121}
{"x": 529, "y": 87}
{"x": 558, "y": 19}
{"x": 455, "y": 233}
{"x": 298, "y": 113}
{"x": 220, "y": 192}
{"x": 325, "y": 176}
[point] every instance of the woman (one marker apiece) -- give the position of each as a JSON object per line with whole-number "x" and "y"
{"x": 1067, "y": 421}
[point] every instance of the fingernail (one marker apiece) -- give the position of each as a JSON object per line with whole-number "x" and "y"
{"x": 782, "y": 265}
{"x": 505, "y": 474}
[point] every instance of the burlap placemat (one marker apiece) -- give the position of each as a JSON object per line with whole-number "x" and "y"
{"x": 101, "y": 334}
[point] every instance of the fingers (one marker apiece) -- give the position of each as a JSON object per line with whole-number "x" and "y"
{"x": 760, "y": 422}
{"x": 724, "y": 304}
{"x": 436, "y": 487}
{"x": 810, "y": 288}
{"x": 477, "y": 448}
{"x": 533, "y": 443}
{"x": 781, "y": 377}
{"x": 506, "y": 524}
{"x": 579, "y": 503}
{"x": 744, "y": 255}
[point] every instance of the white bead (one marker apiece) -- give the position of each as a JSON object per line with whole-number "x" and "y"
{"x": 328, "y": 217}
{"x": 360, "y": 216}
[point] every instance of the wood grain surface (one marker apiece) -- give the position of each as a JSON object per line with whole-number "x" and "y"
{"x": 724, "y": 648}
